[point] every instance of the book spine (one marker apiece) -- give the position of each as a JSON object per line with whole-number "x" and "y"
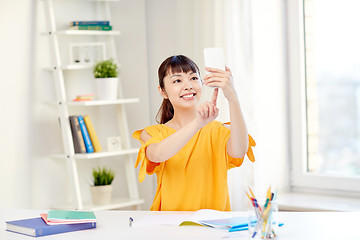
{"x": 88, "y": 145}
{"x": 90, "y": 27}
{"x": 79, "y": 145}
{"x": 93, "y": 137}
{"x": 80, "y": 23}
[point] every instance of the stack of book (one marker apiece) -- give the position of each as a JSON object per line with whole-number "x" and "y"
{"x": 84, "y": 97}
{"x": 84, "y": 136}
{"x": 90, "y": 25}
{"x": 53, "y": 222}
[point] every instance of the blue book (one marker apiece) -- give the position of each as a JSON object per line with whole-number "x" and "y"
{"x": 88, "y": 144}
{"x": 36, "y": 227}
{"x": 90, "y": 23}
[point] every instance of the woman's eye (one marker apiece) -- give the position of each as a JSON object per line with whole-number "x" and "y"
{"x": 177, "y": 81}
{"x": 194, "y": 78}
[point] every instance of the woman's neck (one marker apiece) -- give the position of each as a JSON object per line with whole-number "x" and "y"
{"x": 181, "y": 118}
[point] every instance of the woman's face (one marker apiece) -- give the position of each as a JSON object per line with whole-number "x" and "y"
{"x": 182, "y": 89}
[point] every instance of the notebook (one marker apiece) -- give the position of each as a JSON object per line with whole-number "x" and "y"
{"x": 65, "y": 215}
{"x": 36, "y": 227}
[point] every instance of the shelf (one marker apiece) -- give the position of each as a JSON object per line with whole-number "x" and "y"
{"x": 97, "y": 102}
{"x": 101, "y": 154}
{"x": 115, "y": 204}
{"x": 67, "y": 106}
{"x": 102, "y": 102}
{"x": 72, "y": 67}
{"x": 87, "y": 32}
{"x": 106, "y": 154}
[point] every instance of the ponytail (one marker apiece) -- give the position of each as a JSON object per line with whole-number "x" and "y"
{"x": 166, "y": 112}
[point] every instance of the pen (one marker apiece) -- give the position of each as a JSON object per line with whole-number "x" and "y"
{"x": 257, "y": 209}
{"x": 255, "y": 205}
{"x": 252, "y": 194}
{"x": 254, "y": 198}
{"x": 264, "y": 215}
{"x": 268, "y": 196}
{"x": 251, "y": 199}
{"x": 131, "y": 220}
{"x": 269, "y": 225}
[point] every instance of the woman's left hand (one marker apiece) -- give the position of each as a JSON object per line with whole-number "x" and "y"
{"x": 221, "y": 79}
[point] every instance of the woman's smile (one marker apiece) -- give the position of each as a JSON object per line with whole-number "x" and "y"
{"x": 188, "y": 96}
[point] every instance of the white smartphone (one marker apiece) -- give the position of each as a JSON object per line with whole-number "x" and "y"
{"x": 214, "y": 58}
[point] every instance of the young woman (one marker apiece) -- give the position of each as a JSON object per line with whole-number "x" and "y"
{"x": 188, "y": 150}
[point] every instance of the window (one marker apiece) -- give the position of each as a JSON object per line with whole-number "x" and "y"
{"x": 325, "y": 94}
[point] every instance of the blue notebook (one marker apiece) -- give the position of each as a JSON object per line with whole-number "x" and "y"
{"x": 234, "y": 224}
{"x": 36, "y": 227}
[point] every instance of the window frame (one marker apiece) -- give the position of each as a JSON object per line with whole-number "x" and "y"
{"x": 299, "y": 176}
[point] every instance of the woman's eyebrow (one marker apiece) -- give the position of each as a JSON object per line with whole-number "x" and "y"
{"x": 176, "y": 75}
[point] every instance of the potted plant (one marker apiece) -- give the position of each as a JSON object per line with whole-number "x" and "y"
{"x": 102, "y": 189}
{"x": 106, "y": 79}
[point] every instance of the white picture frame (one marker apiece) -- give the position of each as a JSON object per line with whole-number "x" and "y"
{"x": 86, "y": 53}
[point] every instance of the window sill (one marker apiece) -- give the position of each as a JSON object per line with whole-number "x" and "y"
{"x": 299, "y": 201}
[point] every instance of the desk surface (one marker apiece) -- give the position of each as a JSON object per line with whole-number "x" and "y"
{"x": 115, "y": 225}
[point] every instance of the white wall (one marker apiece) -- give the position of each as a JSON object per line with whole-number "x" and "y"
{"x": 16, "y": 102}
{"x": 130, "y": 17}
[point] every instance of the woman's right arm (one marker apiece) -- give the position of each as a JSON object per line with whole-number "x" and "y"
{"x": 167, "y": 148}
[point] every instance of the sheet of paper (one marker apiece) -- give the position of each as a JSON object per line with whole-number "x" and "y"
{"x": 209, "y": 214}
{"x": 176, "y": 219}
{"x": 162, "y": 219}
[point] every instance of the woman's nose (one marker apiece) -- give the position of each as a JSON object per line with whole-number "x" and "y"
{"x": 188, "y": 85}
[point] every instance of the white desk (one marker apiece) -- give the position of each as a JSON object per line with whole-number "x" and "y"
{"x": 115, "y": 225}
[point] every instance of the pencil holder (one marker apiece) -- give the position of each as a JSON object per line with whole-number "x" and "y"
{"x": 263, "y": 219}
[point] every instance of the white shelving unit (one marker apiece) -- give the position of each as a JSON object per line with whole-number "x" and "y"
{"x": 63, "y": 105}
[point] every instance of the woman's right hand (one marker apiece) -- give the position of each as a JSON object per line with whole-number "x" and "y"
{"x": 207, "y": 111}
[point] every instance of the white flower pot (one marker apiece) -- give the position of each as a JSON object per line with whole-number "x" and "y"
{"x": 101, "y": 195}
{"x": 106, "y": 88}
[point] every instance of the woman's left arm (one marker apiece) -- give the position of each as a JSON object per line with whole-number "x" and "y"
{"x": 238, "y": 142}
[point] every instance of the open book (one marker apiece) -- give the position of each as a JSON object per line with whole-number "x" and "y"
{"x": 203, "y": 217}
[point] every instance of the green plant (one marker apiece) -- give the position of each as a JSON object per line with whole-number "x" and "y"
{"x": 106, "y": 69}
{"x": 102, "y": 176}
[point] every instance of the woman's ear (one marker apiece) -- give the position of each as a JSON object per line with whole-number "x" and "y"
{"x": 162, "y": 93}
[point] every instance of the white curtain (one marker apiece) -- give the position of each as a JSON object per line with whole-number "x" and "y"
{"x": 227, "y": 24}
{"x": 237, "y": 40}
{"x": 254, "y": 39}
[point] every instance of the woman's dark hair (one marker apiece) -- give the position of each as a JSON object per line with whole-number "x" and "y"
{"x": 173, "y": 64}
